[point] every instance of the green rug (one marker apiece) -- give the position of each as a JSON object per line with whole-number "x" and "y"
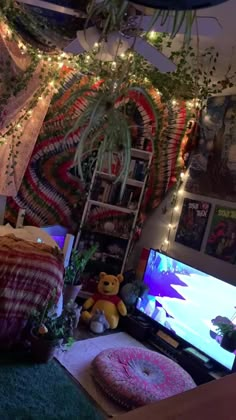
{"x": 35, "y": 392}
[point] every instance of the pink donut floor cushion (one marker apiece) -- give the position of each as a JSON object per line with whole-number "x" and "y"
{"x": 134, "y": 376}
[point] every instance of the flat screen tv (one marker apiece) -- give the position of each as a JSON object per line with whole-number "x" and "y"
{"x": 187, "y": 302}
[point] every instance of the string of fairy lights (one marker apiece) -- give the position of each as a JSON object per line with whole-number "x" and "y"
{"x": 175, "y": 206}
{"x": 52, "y": 69}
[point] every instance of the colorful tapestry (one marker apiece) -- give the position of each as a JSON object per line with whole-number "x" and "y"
{"x": 51, "y": 191}
{"x": 192, "y": 223}
{"x": 213, "y": 167}
{"x": 221, "y": 242}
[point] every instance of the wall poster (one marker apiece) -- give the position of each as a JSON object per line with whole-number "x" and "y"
{"x": 221, "y": 242}
{"x": 212, "y": 171}
{"x": 192, "y": 223}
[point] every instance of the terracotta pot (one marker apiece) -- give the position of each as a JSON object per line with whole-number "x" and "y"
{"x": 42, "y": 350}
{"x": 70, "y": 293}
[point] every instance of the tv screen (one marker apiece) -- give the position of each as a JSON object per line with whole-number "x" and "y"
{"x": 188, "y": 303}
{"x": 60, "y": 240}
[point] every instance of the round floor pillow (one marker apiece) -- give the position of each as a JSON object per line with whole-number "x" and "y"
{"x": 135, "y": 376}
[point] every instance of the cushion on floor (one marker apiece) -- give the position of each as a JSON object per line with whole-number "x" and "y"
{"x": 135, "y": 376}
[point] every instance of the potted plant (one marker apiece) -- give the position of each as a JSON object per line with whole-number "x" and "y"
{"x": 49, "y": 331}
{"x": 77, "y": 264}
{"x": 228, "y": 333}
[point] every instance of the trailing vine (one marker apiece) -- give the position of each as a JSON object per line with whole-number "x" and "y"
{"x": 190, "y": 80}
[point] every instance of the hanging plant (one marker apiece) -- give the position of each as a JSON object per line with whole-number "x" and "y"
{"x": 104, "y": 125}
{"x": 118, "y": 15}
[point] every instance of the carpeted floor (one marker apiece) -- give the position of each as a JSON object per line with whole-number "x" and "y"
{"x": 34, "y": 392}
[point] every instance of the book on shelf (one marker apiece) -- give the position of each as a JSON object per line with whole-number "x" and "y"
{"x": 115, "y": 164}
{"x": 137, "y": 169}
{"x": 108, "y": 192}
{"x": 144, "y": 143}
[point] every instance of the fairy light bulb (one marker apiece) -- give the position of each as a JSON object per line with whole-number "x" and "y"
{"x": 197, "y": 103}
{"x": 182, "y": 175}
{"x": 169, "y": 225}
{"x": 190, "y": 104}
{"x": 122, "y": 55}
{"x": 113, "y": 65}
{"x": 166, "y": 241}
{"x": 49, "y": 59}
{"x": 152, "y": 35}
{"x": 174, "y": 102}
{"x": 176, "y": 208}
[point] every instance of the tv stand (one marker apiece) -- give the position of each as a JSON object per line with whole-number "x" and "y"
{"x": 200, "y": 367}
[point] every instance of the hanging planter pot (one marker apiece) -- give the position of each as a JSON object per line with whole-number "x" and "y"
{"x": 178, "y": 4}
{"x": 70, "y": 293}
{"x": 229, "y": 341}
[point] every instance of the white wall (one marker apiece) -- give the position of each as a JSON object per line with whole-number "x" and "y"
{"x": 155, "y": 231}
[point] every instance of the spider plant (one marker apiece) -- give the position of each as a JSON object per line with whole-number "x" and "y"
{"x": 104, "y": 125}
{"x": 112, "y": 15}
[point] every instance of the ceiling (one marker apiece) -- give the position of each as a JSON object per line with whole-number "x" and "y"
{"x": 225, "y": 42}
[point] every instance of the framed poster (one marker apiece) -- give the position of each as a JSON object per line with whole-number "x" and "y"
{"x": 212, "y": 170}
{"x": 221, "y": 242}
{"x": 192, "y": 223}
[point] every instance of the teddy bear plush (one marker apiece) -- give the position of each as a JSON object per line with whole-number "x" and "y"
{"x": 106, "y": 300}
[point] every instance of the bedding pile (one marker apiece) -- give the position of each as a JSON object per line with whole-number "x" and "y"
{"x": 29, "y": 273}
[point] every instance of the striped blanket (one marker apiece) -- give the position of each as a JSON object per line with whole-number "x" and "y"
{"x": 29, "y": 272}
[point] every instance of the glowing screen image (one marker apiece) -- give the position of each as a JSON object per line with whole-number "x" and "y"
{"x": 188, "y": 302}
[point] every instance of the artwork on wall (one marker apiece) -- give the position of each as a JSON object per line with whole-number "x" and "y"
{"x": 212, "y": 170}
{"x": 192, "y": 223}
{"x": 221, "y": 242}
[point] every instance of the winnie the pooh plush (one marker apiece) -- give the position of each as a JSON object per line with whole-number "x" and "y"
{"x": 106, "y": 300}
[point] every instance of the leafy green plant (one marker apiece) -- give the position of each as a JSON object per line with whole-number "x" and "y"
{"x": 225, "y": 328}
{"x": 77, "y": 264}
{"x": 47, "y": 326}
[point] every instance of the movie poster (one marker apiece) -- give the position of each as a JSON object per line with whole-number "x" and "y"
{"x": 212, "y": 171}
{"x": 221, "y": 242}
{"x": 192, "y": 223}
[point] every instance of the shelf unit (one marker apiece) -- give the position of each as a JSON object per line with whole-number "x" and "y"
{"x": 140, "y": 157}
